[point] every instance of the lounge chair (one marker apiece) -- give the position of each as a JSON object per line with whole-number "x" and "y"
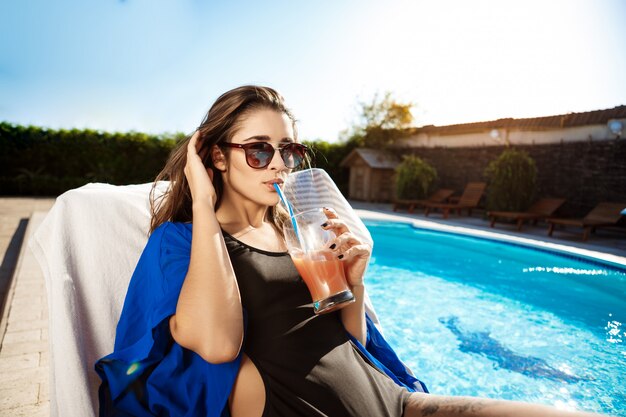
{"x": 604, "y": 214}
{"x": 469, "y": 200}
{"x": 439, "y": 196}
{"x": 88, "y": 261}
{"x": 541, "y": 209}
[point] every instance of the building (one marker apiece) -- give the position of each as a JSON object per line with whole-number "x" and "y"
{"x": 572, "y": 127}
{"x": 371, "y": 174}
{"x": 460, "y": 153}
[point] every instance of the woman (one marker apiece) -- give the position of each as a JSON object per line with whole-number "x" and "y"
{"x": 223, "y": 323}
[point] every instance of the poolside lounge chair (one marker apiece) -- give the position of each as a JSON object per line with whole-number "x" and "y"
{"x": 439, "y": 196}
{"x": 88, "y": 261}
{"x": 469, "y": 200}
{"x": 604, "y": 214}
{"x": 541, "y": 209}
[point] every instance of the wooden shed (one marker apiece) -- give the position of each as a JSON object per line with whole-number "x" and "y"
{"x": 371, "y": 174}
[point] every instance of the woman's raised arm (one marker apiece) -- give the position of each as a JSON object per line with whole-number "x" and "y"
{"x": 209, "y": 318}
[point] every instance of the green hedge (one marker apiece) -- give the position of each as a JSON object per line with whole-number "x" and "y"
{"x": 39, "y": 161}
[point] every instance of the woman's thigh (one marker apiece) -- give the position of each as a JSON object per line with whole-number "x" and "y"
{"x": 247, "y": 399}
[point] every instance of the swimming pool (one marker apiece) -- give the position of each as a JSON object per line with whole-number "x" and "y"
{"x": 476, "y": 317}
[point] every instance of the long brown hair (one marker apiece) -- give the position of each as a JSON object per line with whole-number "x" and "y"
{"x": 219, "y": 125}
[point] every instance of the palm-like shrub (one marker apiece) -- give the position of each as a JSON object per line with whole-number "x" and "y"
{"x": 414, "y": 178}
{"x": 512, "y": 179}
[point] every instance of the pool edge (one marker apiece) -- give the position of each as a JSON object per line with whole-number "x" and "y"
{"x": 585, "y": 254}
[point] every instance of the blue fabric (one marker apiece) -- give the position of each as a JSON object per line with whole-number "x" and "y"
{"x": 148, "y": 374}
{"x": 385, "y": 358}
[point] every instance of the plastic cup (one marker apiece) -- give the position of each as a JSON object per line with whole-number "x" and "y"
{"x": 320, "y": 269}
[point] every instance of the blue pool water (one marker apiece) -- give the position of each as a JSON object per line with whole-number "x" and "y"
{"x": 475, "y": 317}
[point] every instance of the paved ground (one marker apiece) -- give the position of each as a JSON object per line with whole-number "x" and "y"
{"x": 24, "y": 369}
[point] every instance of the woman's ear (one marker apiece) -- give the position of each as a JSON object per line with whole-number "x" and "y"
{"x": 218, "y": 158}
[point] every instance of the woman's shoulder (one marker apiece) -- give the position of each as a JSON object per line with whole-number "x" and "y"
{"x": 171, "y": 235}
{"x": 173, "y": 228}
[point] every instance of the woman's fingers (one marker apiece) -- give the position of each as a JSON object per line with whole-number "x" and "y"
{"x": 343, "y": 242}
{"x": 330, "y": 212}
{"x": 194, "y": 147}
{"x": 191, "y": 146}
{"x": 199, "y": 177}
{"x": 335, "y": 225}
{"x": 347, "y": 247}
{"x": 361, "y": 251}
{"x": 195, "y": 151}
{"x": 344, "y": 245}
{"x": 195, "y": 140}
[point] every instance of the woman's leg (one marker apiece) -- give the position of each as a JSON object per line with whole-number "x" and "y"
{"x": 247, "y": 399}
{"x": 422, "y": 405}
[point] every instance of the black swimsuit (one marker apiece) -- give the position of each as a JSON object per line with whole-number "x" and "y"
{"x": 309, "y": 365}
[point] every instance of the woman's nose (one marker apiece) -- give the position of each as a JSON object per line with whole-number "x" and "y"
{"x": 277, "y": 162}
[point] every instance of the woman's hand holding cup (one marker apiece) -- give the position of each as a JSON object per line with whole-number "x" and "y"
{"x": 347, "y": 247}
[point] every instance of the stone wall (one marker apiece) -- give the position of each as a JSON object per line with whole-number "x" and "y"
{"x": 583, "y": 172}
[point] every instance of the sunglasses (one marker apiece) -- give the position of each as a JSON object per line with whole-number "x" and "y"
{"x": 260, "y": 154}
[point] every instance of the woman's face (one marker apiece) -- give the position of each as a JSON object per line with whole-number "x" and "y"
{"x": 241, "y": 181}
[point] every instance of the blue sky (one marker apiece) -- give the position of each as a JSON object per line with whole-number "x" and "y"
{"x": 157, "y": 66}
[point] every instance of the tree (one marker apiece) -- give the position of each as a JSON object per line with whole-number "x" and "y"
{"x": 381, "y": 122}
{"x": 386, "y": 113}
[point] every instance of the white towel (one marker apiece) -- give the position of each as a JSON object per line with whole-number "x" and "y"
{"x": 88, "y": 246}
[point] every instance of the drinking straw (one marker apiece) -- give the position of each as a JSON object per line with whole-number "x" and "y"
{"x": 289, "y": 209}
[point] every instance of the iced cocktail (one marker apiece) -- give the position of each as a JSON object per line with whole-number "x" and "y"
{"x": 320, "y": 269}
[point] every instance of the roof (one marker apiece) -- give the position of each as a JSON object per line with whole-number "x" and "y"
{"x": 596, "y": 117}
{"x": 374, "y": 158}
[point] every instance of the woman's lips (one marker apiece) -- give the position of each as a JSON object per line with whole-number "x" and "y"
{"x": 270, "y": 185}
